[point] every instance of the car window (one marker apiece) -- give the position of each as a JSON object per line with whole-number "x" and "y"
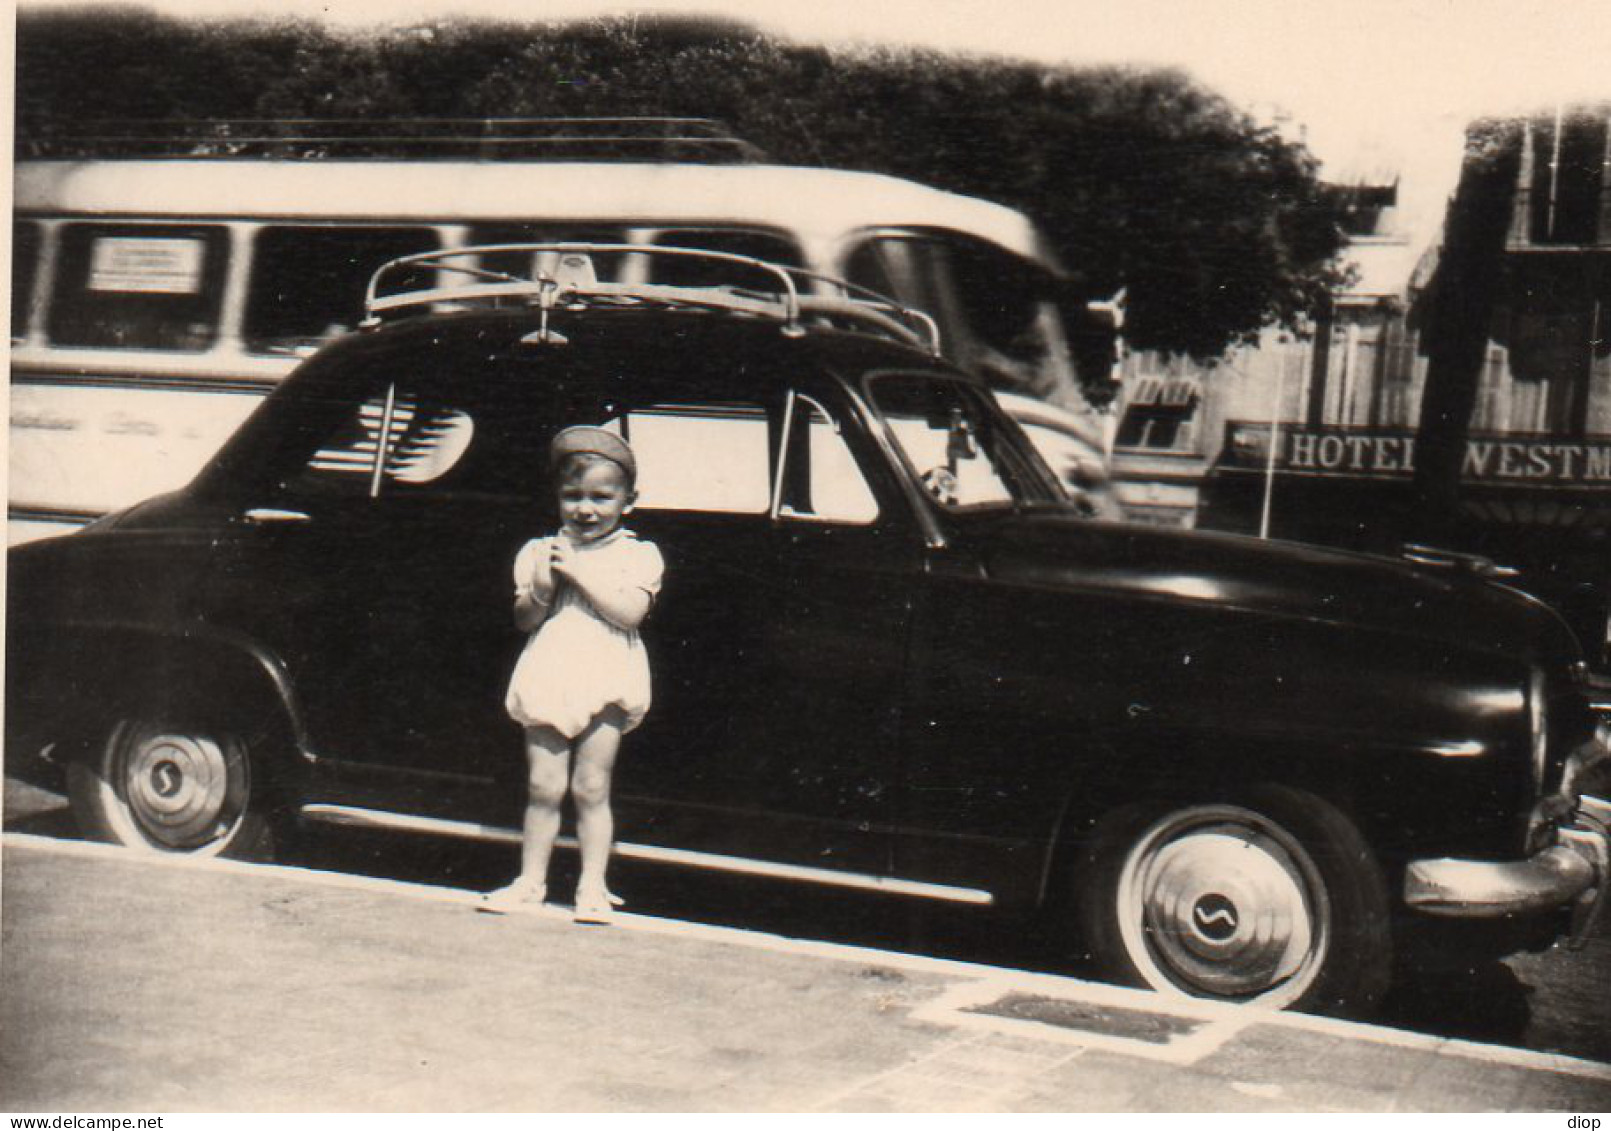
{"x": 1075, "y": 462}
{"x": 821, "y": 479}
{"x": 474, "y": 417}
{"x": 1079, "y": 468}
{"x": 949, "y": 436}
{"x": 392, "y": 439}
{"x": 700, "y": 457}
{"x": 138, "y": 286}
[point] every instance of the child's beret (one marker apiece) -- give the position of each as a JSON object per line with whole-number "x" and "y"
{"x": 597, "y": 441}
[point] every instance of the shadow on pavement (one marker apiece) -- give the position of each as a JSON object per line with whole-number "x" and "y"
{"x": 1539, "y": 1004}
{"x": 57, "y": 823}
{"x": 794, "y": 911}
{"x": 1486, "y": 1002}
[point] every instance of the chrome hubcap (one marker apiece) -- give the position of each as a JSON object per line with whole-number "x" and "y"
{"x": 166, "y": 779}
{"x": 182, "y": 790}
{"x": 1218, "y": 901}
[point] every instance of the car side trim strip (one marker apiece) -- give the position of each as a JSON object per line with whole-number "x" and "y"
{"x": 660, "y": 854}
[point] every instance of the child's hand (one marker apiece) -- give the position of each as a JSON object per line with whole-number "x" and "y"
{"x": 560, "y": 561}
{"x": 542, "y": 576}
{"x": 568, "y": 562}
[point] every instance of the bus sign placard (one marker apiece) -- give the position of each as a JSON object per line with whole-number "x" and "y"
{"x": 148, "y": 266}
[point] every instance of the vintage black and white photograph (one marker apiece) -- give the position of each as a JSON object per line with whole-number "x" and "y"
{"x": 881, "y": 557}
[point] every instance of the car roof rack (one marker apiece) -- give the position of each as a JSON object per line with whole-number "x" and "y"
{"x": 681, "y": 140}
{"x": 571, "y": 282}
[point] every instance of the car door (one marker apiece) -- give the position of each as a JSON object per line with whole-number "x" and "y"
{"x": 375, "y": 562}
{"x": 778, "y": 642}
{"x": 997, "y": 670}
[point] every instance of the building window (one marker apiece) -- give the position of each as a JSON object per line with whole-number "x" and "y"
{"x": 1363, "y": 206}
{"x": 1159, "y": 415}
{"x": 1491, "y": 411}
{"x": 1569, "y": 158}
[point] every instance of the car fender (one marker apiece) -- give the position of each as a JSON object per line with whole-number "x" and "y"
{"x": 1405, "y": 794}
{"x": 114, "y": 666}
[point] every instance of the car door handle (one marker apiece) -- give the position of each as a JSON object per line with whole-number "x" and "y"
{"x": 274, "y": 514}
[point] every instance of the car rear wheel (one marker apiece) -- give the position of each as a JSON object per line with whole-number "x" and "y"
{"x": 1271, "y": 897}
{"x": 170, "y": 788}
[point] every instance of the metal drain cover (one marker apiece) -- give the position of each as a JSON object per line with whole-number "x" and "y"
{"x": 1087, "y": 1017}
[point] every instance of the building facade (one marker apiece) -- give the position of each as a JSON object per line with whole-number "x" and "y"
{"x": 1312, "y": 435}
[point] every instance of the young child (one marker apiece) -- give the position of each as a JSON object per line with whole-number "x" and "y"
{"x": 582, "y": 680}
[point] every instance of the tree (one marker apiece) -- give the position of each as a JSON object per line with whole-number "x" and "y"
{"x": 1462, "y": 295}
{"x": 1144, "y": 179}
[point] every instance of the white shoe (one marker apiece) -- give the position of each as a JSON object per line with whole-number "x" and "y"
{"x": 596, "y": 906}
{"x": 517, "y": 896}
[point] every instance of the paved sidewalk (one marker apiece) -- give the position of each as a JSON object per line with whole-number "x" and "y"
{"x": 144, "y": 984}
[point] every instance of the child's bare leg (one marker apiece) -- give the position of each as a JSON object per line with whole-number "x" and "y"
{"x": 590, "y": 790}
{"x": 548, "y": 763}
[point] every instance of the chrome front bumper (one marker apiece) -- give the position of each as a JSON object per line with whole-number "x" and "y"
{"x": 1574, "y": 872}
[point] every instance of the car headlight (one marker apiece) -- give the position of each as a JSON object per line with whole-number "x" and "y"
{"x": 1586, "y": 769}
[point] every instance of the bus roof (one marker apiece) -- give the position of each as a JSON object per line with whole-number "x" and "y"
{"x": 821, "y": 202}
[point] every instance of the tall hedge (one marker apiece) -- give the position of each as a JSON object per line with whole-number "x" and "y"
{"x": 1143, "y": 179}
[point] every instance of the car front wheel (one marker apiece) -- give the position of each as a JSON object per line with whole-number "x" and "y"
{"x": 1271, "y": 897}
{"x": 169, "y": 788}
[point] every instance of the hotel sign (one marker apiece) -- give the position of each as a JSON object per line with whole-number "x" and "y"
{"x": 1377, "y": 454}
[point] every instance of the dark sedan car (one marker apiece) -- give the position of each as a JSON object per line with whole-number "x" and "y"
{"x": 889, "y": 653}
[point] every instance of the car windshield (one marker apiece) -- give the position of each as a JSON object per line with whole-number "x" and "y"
{"x": 963, "y": 451}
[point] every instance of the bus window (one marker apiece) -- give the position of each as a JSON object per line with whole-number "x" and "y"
{"x": 978, "y": 293}
{"x": 138, "y": 286}
{"x": 308, "y": 281}
{"x": 774, "y": 247}
{"x": 513, "y": 263}
{"x": 910, "y": 270}
{"x": 25, "y": 240}
{"x": 1001, "y": 297}
{"x": 990, "y": 306}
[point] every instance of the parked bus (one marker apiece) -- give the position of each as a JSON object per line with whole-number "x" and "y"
{"x": 155, "y": 300}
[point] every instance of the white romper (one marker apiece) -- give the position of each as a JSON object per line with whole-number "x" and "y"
{"x": 577, "y": 662}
